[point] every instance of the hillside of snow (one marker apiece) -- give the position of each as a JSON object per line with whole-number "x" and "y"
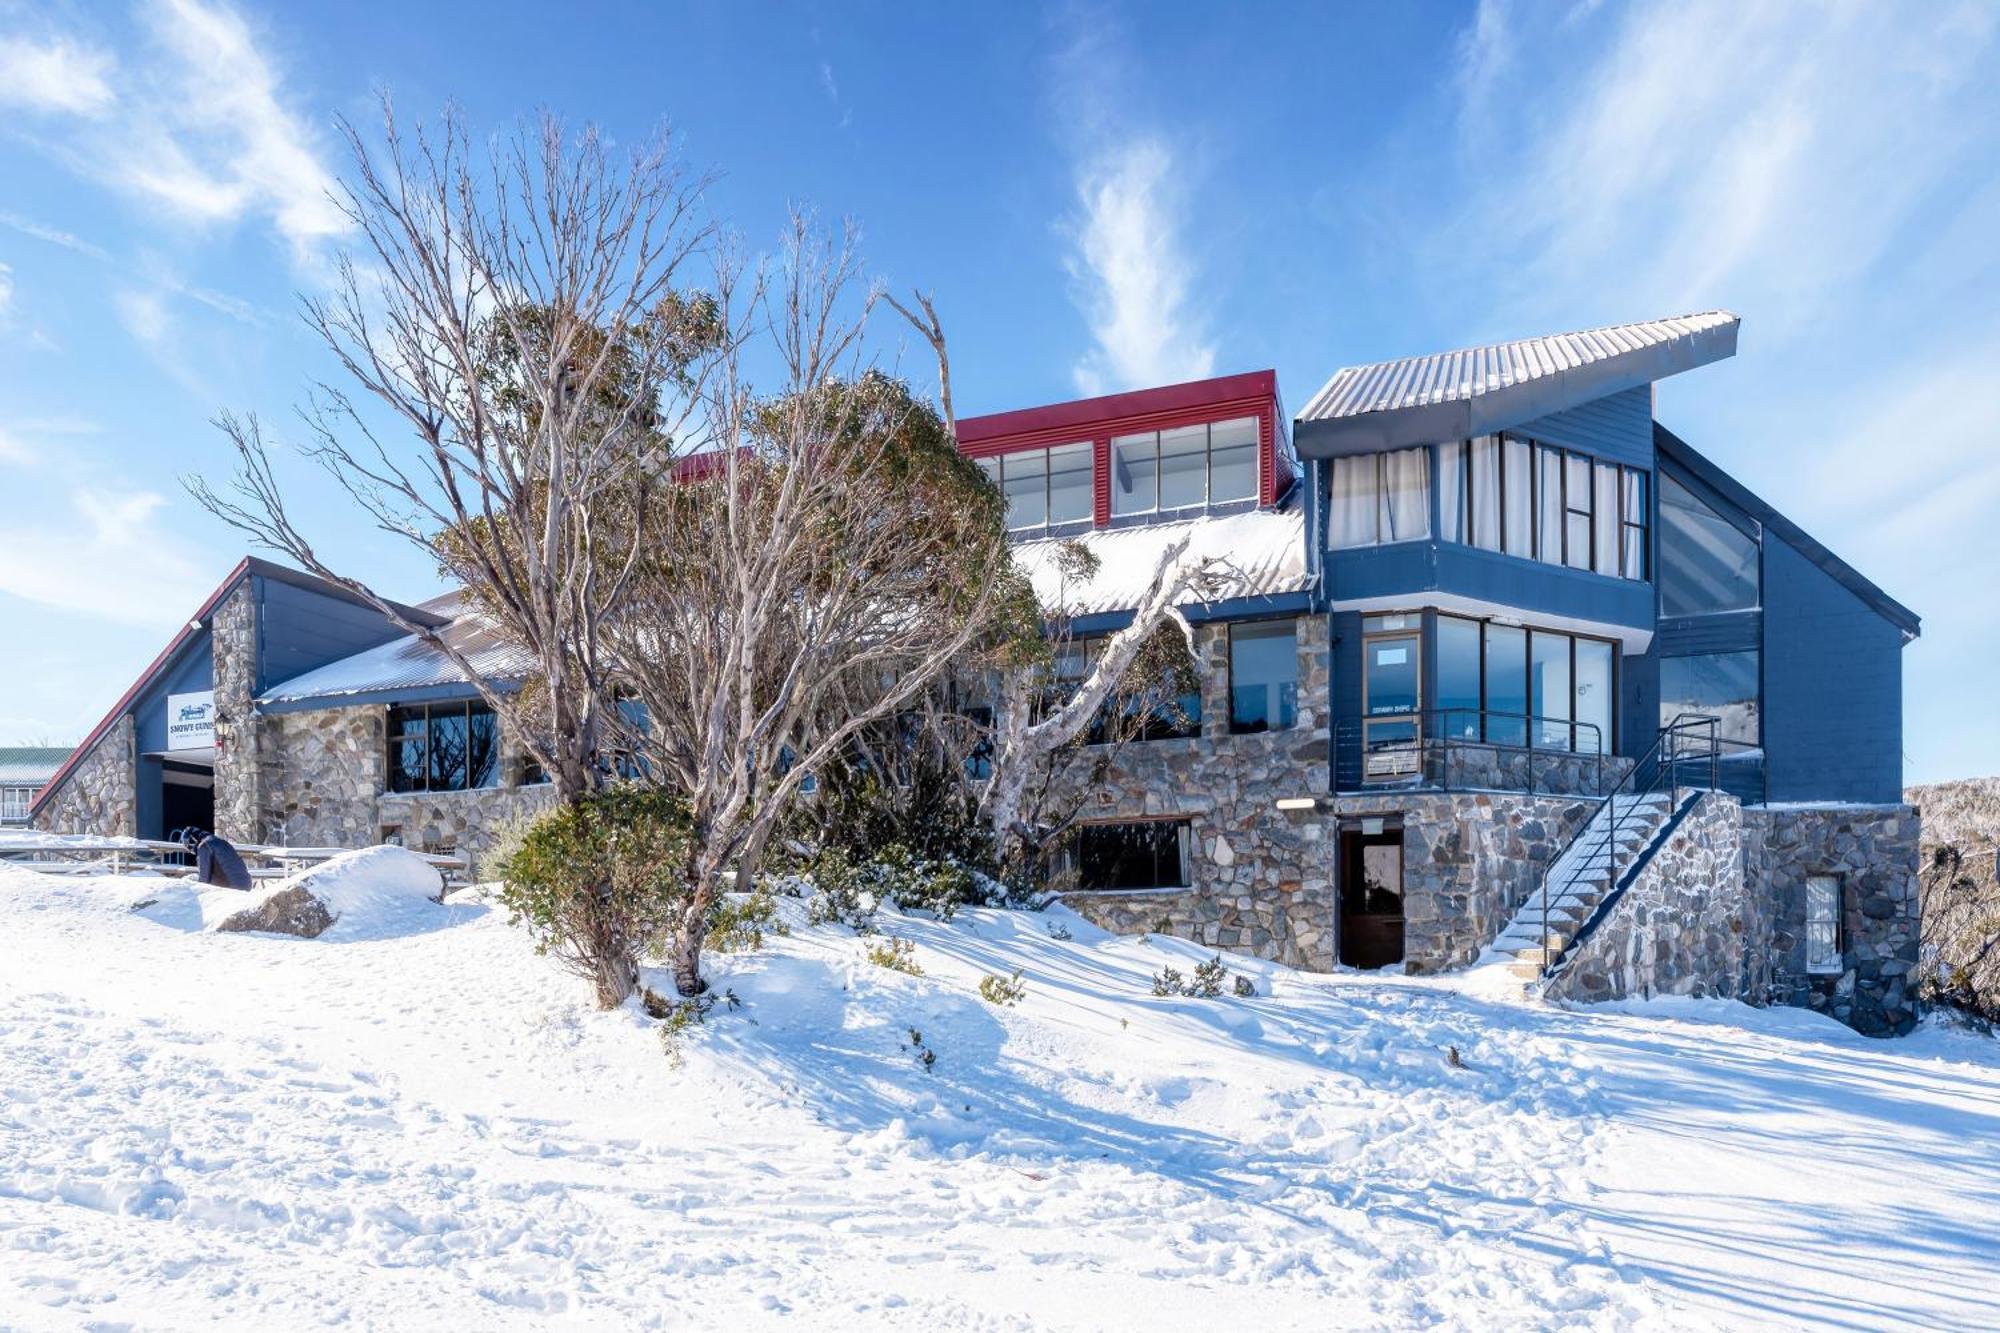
{"x": 428, "y": 1127}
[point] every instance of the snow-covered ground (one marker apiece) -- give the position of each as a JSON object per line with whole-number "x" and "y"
{"x": 425, "y": 1126}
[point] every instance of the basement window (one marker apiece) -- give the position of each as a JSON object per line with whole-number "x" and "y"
{"x": 1823, "y": 942}
{"x": 1147, "y": 854}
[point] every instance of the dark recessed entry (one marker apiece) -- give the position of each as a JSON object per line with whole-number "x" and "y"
{"x": 1371, "y": 897}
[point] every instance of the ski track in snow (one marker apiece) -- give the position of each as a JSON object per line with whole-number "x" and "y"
{"x": 432, "y": 1130}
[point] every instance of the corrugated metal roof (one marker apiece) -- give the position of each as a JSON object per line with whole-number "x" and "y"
{"x": 1417, "y": 381}
{"x": 20, "y": 764}
{"x": 1263, "y": 553}
{"x": 409, "y": 664}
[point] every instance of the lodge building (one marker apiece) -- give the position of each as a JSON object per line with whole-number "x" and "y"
{"x": 1502, "y": 667}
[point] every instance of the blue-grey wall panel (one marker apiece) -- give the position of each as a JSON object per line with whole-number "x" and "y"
{"x": 1833, "y": 687}
{"x": 1345, "y": 659}
{"x": 1618, "y": 426}
{"x": 300, "y": 630}
{"x": 1415, "y": 568}
{"x": 1730, "y": 632}
{"x": 191, "y": 670}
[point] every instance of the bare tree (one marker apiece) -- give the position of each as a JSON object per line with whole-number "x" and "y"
{"x": 516, "y": 318}
{"x": 820, "y": 569}
{"x": 519, "y": 363}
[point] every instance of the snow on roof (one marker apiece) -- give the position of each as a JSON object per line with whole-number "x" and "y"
{"x": 1263, "y": 553}
{"x": 409, "y": 664}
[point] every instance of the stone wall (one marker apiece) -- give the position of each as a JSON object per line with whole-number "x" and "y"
{"x": 1261, "y": 883}
{"x": 1687, "y": 924}
{"x": 1470, "y": 859}
{"x": 100, "y": 795}
{"x": 238, "y": 762}
{"x": 323, "y": 775}
{"x": 1873, "y": 850}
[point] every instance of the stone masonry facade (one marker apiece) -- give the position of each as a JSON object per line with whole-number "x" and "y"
{"x": 238, "y": 770}
{"x": 100, "y": 794}
{"x": 324, "y": 774}
{"x": 1689, "y": 923}
{"x": 1260, "y": 883}
{"x": 1872, "y": 851}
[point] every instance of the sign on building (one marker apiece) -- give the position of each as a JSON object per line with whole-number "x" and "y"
{"x": 191, "y": 721}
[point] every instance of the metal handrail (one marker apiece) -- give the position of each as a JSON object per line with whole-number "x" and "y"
{"x": 1429, "y": 733}
{"x": 1665, "y": 756}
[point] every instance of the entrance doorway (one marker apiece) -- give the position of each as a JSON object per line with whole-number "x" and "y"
{"x": 186, "y": 797}
{"x": 1391, "y": 697}
{"x": 1371, "y": 897}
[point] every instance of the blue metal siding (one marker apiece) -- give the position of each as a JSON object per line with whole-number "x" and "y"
{"x": 1344, "y": 629}
{"x": 1617, "y": 426}
{"x": 1415, "y": 568}
{"x": 1729, "y": 632}
{"x": 1833, "y": 687}
{"x": 191, "y": 670}
{"x": 299, "y": 630}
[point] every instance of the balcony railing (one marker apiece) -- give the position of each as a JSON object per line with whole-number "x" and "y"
{"x": 1471, "y": 749}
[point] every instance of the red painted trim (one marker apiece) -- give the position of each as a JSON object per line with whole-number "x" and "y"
{"x": 1086, "y": 418}
{"x": 1098, "y": 420}
{"x": 78, "y": 755}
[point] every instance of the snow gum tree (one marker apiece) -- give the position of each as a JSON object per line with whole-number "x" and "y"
{"x": 516, "y": 354}
{"x": 816, "y": 570}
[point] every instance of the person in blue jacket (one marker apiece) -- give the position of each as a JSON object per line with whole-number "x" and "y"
{"x": 215, "y": 861}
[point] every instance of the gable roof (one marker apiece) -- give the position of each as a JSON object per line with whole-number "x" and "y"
{"x": 1685, "y": 455}
{"x": 1456, "y": 395}
{"x": 198, "y": 624}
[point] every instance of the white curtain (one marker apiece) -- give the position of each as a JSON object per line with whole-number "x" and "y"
{"x": 1486, "y": 492}
{"x": 1451, "y": 491}
{"x": 1406, "y": 495}
{"x": 1350, "y": 516}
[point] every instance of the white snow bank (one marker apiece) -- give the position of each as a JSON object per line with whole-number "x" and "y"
{"x": 442, "y": 1133}
{"x": 373, "y": 892}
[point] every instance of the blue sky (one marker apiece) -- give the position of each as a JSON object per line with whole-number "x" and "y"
{"x": 1101, "y": 197}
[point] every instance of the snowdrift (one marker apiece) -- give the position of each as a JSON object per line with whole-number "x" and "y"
{"x": 438, "y": 1129}
{"x": 369, "y": 893}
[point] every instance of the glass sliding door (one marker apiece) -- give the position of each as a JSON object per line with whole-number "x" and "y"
{"x": 1593, "y": 696}
{"x": 1506, "y": 684}
{"x": 1458, "y": 698}
{"x": 1549, "y": 689}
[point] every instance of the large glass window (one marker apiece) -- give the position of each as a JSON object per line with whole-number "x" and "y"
{"x": 1458, "y": 677}
{"x": 1507, "y": 684}
{"x": 443, "y": 747}
{"x": 14, "y": 802}
{"x": 1146, "y": 855}
{"x": 1707, "y": 563}
{"x": 1507, "y": 494}
{"x": 1043, "y": 486}
{"x": 1379, "y": 498}
{"x": 1491, "y": 678}
{"x": 1154, "y": 714}
{"x": 1718, "y": 685}
{"x": 1550, "y": 698}
{"x": 1188, "y": 466}
{"x": 1263, "y": 676}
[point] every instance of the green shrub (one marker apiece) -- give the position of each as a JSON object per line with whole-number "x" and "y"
{"x": 996, "y": 989}
{"x": 1208, "y": 978}
{"x": 597, "y": 881}
{"x": 896, "y": 955}
{"x": 849, "y": 891}
{"x": 737, "y": 922}
{"x": 1168, "y": 981}
{"x": 1246, "y": 989}
{"x": 1206, "y": 984}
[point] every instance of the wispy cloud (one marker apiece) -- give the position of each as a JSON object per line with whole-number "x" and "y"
{"x": 6, "y": 289}
{"x": 1131, "y": 273}
{"x": 53, "y": 235}
{"x": 56, "y": 75}
{"x": 198, "y": 120}
{"x": 111, "y": 556}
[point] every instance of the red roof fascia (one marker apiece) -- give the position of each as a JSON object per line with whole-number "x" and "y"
{"x": 77, "y": 755}
{"x": 1089, "y": 417}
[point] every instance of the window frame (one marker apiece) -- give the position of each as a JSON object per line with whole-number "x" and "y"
{"x": 1183, "y": 825}
{"x": 1207, "y": 426}
{"x": 1530, "y": 732}
{"x": 1378, "y": 497}
{"x": 1462, "y": 528}
{"x": 1837, "y": 926}
{"x": 997, "y": 474}
{"x": 432, "y": 712}
{"x": 1291, "y": 632}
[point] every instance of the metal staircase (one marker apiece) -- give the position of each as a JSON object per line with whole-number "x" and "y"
{"x": 1611, "y": 846}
